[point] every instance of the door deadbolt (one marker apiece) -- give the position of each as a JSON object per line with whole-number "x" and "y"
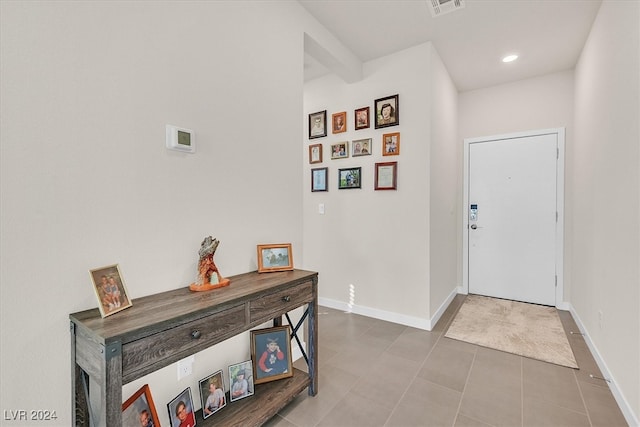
{"x": 473, "y": 226}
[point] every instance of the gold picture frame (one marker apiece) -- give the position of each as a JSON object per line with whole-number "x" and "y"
{"x": 271, "y": 354}
{"x": 275, "y": 257}
{"x": 391, "y": 144}
{"x": 110, "y": 290}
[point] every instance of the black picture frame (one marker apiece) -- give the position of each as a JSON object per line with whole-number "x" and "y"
{"x": 319, "y": 179}
{"x": 212, "y": 400}
{"x": 318, "y": 124}
{"x": 349, "y": 178}
{"x": 387, "y": 111}
{"x": 182, "y": 403}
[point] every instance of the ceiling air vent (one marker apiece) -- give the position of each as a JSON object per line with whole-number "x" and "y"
{"x": 440, "y": 7}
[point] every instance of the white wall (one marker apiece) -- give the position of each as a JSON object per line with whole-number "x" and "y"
{"x": 606, "y": 246}
{"x": 373, "y": 247}
{"x": 543, "y": 102}
{"x": 444, "y": 192}
{"x": 87, "y": 89}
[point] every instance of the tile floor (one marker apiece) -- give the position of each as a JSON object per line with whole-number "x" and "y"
{"x": 376, "y": 373}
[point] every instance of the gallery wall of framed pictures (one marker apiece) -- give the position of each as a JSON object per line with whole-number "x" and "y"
{"x": 369, "y": 136}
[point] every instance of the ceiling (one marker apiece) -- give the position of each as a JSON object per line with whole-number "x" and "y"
{"x": 548, "y": 35}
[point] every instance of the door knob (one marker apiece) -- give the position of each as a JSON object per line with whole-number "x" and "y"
{"x": 473, "y": 226}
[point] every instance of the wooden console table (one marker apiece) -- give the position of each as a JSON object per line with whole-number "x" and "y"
{"x": 161, "y": 329}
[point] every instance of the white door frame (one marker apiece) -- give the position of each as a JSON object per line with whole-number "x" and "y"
{"x": 560, "y": 132}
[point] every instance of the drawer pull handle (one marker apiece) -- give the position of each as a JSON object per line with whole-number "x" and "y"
{"x": 286, "y": 299}
{"x": 196, "y": 334}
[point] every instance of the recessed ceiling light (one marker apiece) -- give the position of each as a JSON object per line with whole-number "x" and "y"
{"x": 509, "y": 58}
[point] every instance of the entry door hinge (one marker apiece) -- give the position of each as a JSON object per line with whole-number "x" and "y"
{"x": 556, "y": 216}
{"x": 557, "y": 153}
{"x": 556, "y": 281}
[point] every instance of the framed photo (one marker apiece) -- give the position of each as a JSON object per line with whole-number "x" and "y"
{"x": 110, "y": 290}
{"x": 139, "y": 409}
{"x": 181, "y": 410}
{"x": 212, "y": 394}
{"x": 361, "y": 147}
{"x": 340, "y": 150}
{"x": 387, "y": 111}
{"x": 271, "y": 354}
{"x": 315, "y": 153}
{"x": 240, "y": 380}
{"x": 276, "y": 257}
{"x": 349, "y": 178}
{"x": 391, "y": 144}
{"x": 339, "y": 121}
{"x": 318, "y": 124}
{"x": 386, "y": 176}
{"x": 319, "y": 179}
{"x": 361, "y": 118}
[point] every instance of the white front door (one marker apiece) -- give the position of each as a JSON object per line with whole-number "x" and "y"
{"x": 512, "y": 218}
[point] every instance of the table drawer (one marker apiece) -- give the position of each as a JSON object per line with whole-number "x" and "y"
{"x": 165, "y": 347}
{"x": 273, "y": 305}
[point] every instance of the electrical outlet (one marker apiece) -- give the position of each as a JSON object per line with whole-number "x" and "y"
{"x": 185, "y": 367}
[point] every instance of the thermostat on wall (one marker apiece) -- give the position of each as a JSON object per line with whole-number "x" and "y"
{"x": 181, "y": 139}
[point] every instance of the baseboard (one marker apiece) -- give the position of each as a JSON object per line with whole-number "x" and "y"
{"x": 628, "y": 413}
{"x": 438, "y": 314}
{"x": 415, "y": 322}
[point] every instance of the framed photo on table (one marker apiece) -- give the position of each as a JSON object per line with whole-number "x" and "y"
{"x": 386, "y": 176}
{"x": 271, "y": 354}
{"x": 387, "y": 111}
{"x": 110, "y": 290}
{"x": 318, "y": 124}
{"x": 319, "y": 179}
{"x": 139, "y": 410}
{"x": 361, "y": 118}
{"x": 275, "y": 257}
